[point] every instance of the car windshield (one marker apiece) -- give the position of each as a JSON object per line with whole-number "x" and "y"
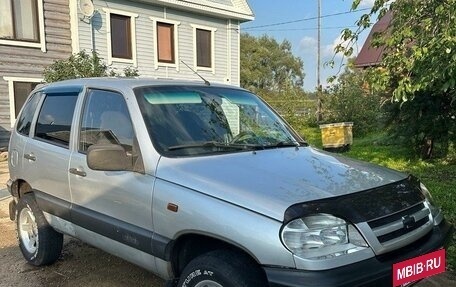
{"x": 194, "y": 120}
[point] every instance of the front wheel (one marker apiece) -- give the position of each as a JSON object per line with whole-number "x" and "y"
{"x": 39, "y": 242}
{"x": 222, "y": 269}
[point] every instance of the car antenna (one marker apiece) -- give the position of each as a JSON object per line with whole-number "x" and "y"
{"x": 205, "y": 81}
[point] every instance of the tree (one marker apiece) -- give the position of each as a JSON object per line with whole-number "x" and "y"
{"x": 418, "y": 67}
{"x": 82, "y": 65}
{"x": 350, "y": 100}
{"x": 294, "y": 105}
{"x": 268, "y": 65}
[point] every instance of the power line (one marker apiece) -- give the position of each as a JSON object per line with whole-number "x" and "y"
{"x": 303, "y": 29}
{"x": 306, "y": 19}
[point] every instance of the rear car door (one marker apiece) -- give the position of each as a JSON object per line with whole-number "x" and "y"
{"x": 20, "y": 136}
{"x": 114, "y": 204}
{"x": 47, "y": 153}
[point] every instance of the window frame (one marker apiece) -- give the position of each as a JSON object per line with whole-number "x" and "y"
{"x": 126, "y": 24}
{"x": 172, "y": 44}
{"x": 139, "y": 167}
{"x": 36, "y": 118}
{"x": 40, "y": 96}
{"x": 133, "y": 16}
{"x": 41, "y": 43}
{"x": 175, "y": 25}
{"x": 83, "y": 109}
{"x": 195, "y": 48}
{"x": 12, "y": 100}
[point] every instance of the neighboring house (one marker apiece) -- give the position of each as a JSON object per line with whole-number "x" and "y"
{"x": 33, "y": 33}
{"x": 371, "y": 56}
{"x": 153, "y": 36}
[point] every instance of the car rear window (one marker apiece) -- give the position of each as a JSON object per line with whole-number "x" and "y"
{"x": 54, "y": 120}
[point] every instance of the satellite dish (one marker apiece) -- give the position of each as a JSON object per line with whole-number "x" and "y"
{"x": 86, "y": 8}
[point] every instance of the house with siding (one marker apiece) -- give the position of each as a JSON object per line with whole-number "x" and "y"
{"x": 33, "y": 34}
{"x": 159, "y": 38}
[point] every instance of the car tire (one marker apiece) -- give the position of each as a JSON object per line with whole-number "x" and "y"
{"x": 39, "y": 242}
{"x": 221, "y": 269}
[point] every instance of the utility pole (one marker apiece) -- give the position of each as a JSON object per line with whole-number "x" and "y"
{"x": 319, "y": 91}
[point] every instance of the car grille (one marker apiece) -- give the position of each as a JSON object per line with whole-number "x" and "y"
{"x": 398, "y": 229}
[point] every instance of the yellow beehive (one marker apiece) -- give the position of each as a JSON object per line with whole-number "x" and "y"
{"x": 336, "y": 135}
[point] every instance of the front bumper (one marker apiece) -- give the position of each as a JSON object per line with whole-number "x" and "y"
{"x": 376, "y": 271}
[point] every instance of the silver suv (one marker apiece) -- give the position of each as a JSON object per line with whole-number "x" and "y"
{"x": 205, "y": 185}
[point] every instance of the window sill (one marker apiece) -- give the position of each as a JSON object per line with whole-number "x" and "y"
{"x": 205, "y": 69}
{"x": 123, "y": 60}
{"x": 41, "y": 46}
{"x": 168, "y": 65}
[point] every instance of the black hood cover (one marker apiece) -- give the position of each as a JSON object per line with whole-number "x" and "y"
{"x": 365, "y": 205}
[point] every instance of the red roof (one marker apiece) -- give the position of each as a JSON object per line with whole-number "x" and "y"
{"x": 370, "y": 56}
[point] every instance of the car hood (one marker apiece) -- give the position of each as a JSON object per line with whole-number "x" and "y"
{"x": 269, "y": 181}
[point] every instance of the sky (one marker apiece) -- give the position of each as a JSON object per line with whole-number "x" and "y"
{"x": 303, "y": 34}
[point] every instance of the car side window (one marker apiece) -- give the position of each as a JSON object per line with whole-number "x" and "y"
{"x": 54, "y": 121}
{"x": 106, "y": 120}
{"x": 24, "y": 122}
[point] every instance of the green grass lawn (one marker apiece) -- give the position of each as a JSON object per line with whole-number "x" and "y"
{"x": 439, "y": 175}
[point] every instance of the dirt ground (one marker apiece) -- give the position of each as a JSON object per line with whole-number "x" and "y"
{"x": 83, "y": 265}
{"x": 79, "y": 264}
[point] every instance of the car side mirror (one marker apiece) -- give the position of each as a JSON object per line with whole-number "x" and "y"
{"x": 107, "y": 157}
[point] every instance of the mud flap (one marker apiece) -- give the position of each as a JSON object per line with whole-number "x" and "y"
{"x": 12, "y": 210}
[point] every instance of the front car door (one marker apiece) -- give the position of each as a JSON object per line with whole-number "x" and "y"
{"x": 111, "y": 209}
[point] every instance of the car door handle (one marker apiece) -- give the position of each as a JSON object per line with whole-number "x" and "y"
{"x": 77, "y": 172}
{"x": 30, "y": 156}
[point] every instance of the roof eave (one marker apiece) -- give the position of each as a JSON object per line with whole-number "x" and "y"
{"x": 213, "y": 9}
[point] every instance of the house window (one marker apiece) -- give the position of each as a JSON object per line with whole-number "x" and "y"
{"x": 203, "y": 43}
{"x": 121, "y": 36}
{"x": 121, "y": 39}
{"x": 22, "y": 23}
{"x": 165, "y": 42}
{"x": 19, "y": 20}
{"x": 203, "y": 48}
{"x": 19, "y": 89}
{"x": 21, "y": 92}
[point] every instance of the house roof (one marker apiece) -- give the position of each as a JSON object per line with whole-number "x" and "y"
{"x": 370, "y": 56}
{"x": 230, "y": 9}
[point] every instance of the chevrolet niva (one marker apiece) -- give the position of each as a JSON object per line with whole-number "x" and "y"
{"x": 205, "y": 185}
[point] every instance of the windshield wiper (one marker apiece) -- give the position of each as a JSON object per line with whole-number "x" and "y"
{"x": 209, "y": 144}
{"x": 286, "y": 144}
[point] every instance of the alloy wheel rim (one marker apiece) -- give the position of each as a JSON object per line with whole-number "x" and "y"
{"x": 28, "y": 230}
{"x": 208, "y": 283}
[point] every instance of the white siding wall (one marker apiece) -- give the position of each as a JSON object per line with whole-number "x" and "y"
{"x": 226, "y": 70}
{"x": 235, "y": 52}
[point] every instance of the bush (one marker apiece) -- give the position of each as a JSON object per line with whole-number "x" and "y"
{"x": 426, "y": 124}
{"x": 82, "y": 65}
{"x": 350, "y": 100}
{"x": 293, "y": 105}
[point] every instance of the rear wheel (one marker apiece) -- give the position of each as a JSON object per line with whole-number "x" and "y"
{"x": 221, "y": 269}
{"x": 39, "y": 242}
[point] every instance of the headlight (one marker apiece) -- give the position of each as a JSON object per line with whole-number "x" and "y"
{"x": 435, "y": 211}
{"x": 321, "y": 236}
